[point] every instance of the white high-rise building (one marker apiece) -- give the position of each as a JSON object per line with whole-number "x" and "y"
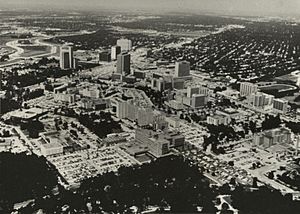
{"x": 263, "y": 100}
{"x": 66, "y": 57}
{"x": 280, "y": 106}
{"x": 125, "y": 44}
{"x": 115, "y": 51}
{"x": 248, "y": 88}
{"x": 182, "y": 69}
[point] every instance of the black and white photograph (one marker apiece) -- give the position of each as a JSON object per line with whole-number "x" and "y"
{"x": 149, "y": 106}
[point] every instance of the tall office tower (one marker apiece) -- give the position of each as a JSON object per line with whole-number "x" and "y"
{"x": 123, "y": 63}
{"x": 66, "y": 57}
{"x": 125, "y": 44}
{"x": 182, "y": 69}
{"x": 248, "y": 88}
{"x": 191, "y": 91}
{"x": 280, "y": 105}
{"x": 115, "y": 51}
{"x": 105, "y": 56}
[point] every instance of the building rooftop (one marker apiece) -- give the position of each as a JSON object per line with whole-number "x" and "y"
{"x": 26, "y": 113}
{"x": 278, "y": 131}
{"x": 134, "y": 148}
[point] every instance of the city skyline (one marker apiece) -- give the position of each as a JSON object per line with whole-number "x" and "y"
{"x": 139, "y": 106}
{"x": 227, "y": 7}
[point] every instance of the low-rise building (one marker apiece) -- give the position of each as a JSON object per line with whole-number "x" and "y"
{"x": 5, "y": 142}
{"x": 92, "y": 92}
{"x": 96, "y": 104}
{"x": 64, "y": 97}
{"x": 272, "y": 137}
{"x": 174, "y": 104}
{"x": 218, "y": 120}
{"x": 160, "y": 143}
{"x": 112, "y": 140}
{"x": 25, "y": 114}
{"x": 50, "y": 145}
{"x": 173, "y": 122}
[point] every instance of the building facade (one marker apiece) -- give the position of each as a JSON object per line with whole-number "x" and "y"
{"x": 218, "y": 120}
{"x": 125, "y": 44}
{"x": 123, "y": 63}
{"x": 182, "y": 69}
{"x": 272, "y": 137}
{"x": 248, "y": 88}
{"x": 280, "y": 106}
{"x": 66, "y": 57}
{"x": 115, "y": 51}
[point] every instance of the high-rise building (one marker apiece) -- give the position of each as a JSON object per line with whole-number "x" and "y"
{"x": 280, "y": 105}
{"x": 198, "y": 100}
{"x": 178, "y": 83}
{"x": 121, "y": 109}
{"x": 105, "y": 56}
{"x": 192, "y": 90}
{"x": 123, "y": 63}
{"x": 115, "y": 51}
{"x": 66, "y": 57}
{"x": 248, "y": 88}
{"x": 166, "y": 83}
{"x": 125, "y": 44}
{"x": 263, "y": 100}
{"x": 182, "y": 69}
{"x": 65, "y": 97}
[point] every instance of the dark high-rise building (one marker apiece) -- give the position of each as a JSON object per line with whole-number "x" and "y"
{"x": 105, "y": 56}
{"x": 123, "y": 63}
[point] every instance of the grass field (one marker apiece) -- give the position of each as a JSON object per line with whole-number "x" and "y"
{"x": 35, "y": 50}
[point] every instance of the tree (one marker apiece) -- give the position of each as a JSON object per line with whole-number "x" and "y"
{"x": 65, "y": 125}
{"x": 74, "y": 133}
{"x": 254, "y": 182}
{"x": 252, "y": 126}
{"x": 181, "y": 116}
{"x": 271, "y": 122}
{"x": 6, "y": 133}
{"x": 232, "y": 181}
{"x": 271, "y": 175}
{"x": 225, "y": 209}
{"x": 34, "y": 178}
{"x": 231, "y": 163}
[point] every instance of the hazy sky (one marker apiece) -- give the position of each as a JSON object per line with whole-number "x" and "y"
{"x": 262, "y": 7}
